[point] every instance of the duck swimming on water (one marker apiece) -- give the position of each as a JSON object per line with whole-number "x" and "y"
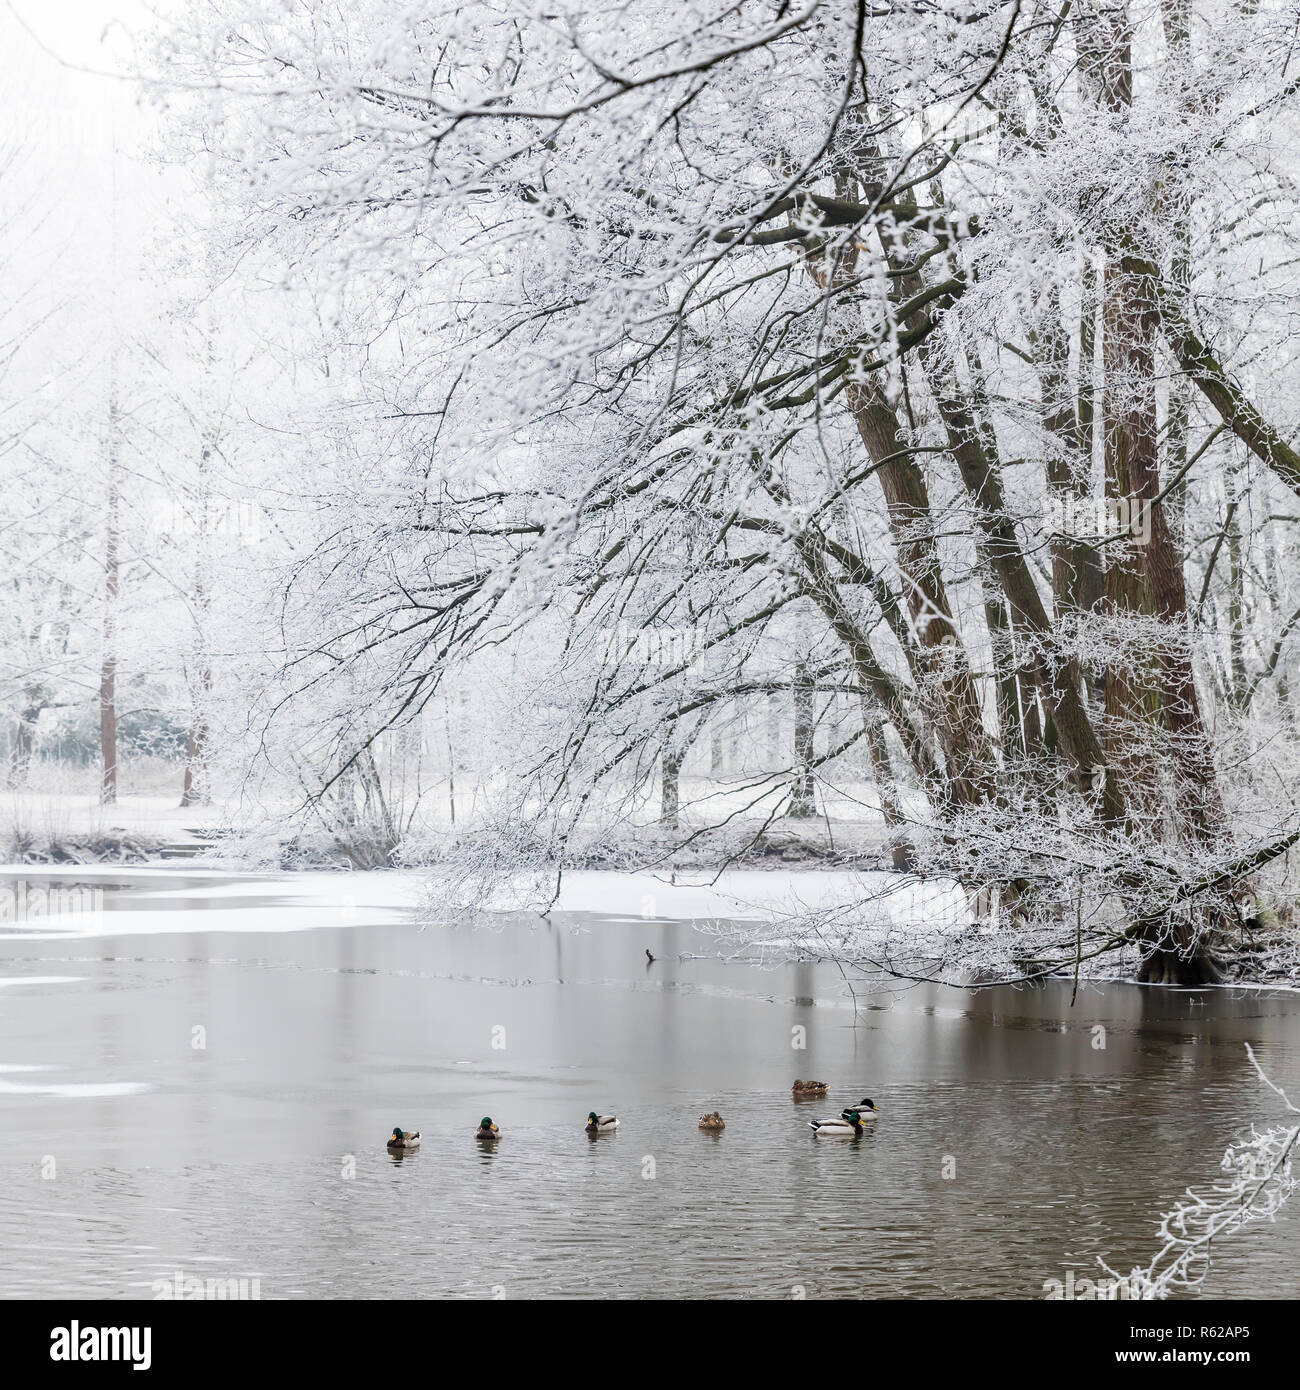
{"x": 848, "y": 1126}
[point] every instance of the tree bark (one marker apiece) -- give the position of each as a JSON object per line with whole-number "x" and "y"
{"x": 670, "y": 767}
{"x": 1155, "y": 584}
{"x": 1059, "y": 692}
{"x": 803, "y": 798}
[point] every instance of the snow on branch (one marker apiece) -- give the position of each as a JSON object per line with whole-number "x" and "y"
{"x": 1258, "y": 1179}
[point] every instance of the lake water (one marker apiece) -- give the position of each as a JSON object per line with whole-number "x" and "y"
{"x": 186, "y": 1091}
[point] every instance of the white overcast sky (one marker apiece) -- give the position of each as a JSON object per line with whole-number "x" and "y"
{"x": 79, "y": 202}
{"x": 57, "y": 60}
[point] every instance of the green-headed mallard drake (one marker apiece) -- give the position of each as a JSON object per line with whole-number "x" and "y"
{"x": 809, "y": 1088}
{"x": 486, "y": 1129}
{"x": 712, "y": 1121}
{"x": 405, "y": 1139}
{"x": 867, "y": 1108}
{"x": 848, "y": 1126}
{"x": 601, "y": 1124}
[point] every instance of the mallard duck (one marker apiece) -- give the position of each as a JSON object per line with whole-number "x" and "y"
{"x": 487, "y": 1130}
{"x": 868, "y": 1106}
{"x": 601, "y": 1124}
{"x": 849, "y": 1125}
{"x": 405, "y": 1139}
{"x": 712, "y": 1121}
{"x": 809, "y": 1088}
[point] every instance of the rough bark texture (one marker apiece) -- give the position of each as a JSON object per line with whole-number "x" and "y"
{"x": 1152, "y": 581}
{"x": 951, "y": 699}
{"x": 803, "y": 800}
{"x": 670, "y": 790}
{"x": 1060, "y": 694}
{"x": 1131, "y": 695}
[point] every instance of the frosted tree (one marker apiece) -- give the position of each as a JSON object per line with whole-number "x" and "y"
{"x": 910, "y": 343}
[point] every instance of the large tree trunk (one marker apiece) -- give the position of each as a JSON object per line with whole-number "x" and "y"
{"x": 670, "y": 768}
{"x": 1129, "y": 406}
{"x": 948, "y": 694}
{"x": 803, "y": 798}
{"x": 1060, "y": 694}
{"x": 1236, "y": 607}
{"x": 1189, "y": 966}
{"x": 1149, "y": 580}
{"x": 1017, "y": 737}
{"x": 947, "y": 686}
{"x": 1153, "y": 582}
{"x": 1076, "y": 573}
{"x": 24, "y": 745}
{"x": 194, "y": 785}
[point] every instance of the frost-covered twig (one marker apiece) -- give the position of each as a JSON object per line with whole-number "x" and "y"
{"x": 1258, "y": 1180}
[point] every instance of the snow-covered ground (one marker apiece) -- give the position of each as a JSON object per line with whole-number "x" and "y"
{"x": 743, "y": 895}
{"x": 57, "y": 815}
{"x": 188, "y": 897}
{"x": 853, "y": 809}
{"x": 36, "y": 900}
{"x": 80, "y": 900}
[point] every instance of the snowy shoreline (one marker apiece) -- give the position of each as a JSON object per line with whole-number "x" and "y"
{"x": 740, "y": 895}
{"x": 183, "y": 899}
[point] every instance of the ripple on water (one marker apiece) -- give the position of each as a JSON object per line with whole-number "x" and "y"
{"x": 1007, "y": 1148}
